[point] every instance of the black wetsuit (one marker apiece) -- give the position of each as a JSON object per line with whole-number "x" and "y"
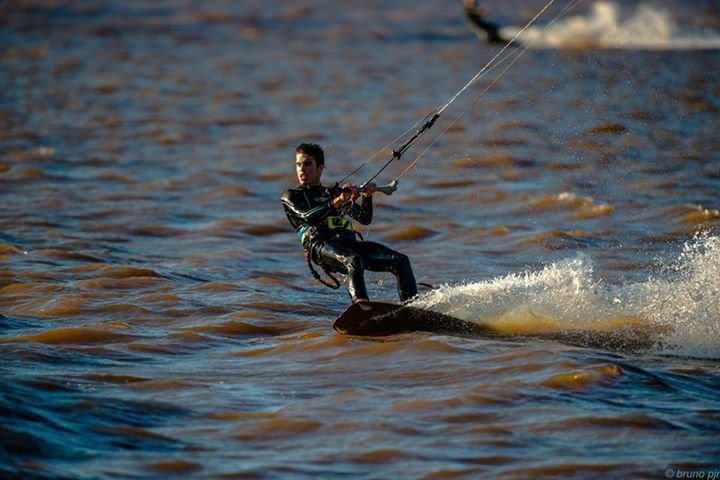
{"x": 327, "y": 236}
{"x": 482, "y": 26}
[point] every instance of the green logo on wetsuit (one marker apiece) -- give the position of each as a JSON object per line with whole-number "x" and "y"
{"x": 339, "y": 222}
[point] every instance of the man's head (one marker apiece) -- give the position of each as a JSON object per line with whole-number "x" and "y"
{"x": 309, "y": 163}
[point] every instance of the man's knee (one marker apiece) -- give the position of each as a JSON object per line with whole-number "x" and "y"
{"x": 353, "y": 262}
{"x": 402, "y": 261}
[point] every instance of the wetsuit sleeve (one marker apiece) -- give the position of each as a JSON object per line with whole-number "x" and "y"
{"x": 363, "y": 213}
{"x": 300, "y": 214}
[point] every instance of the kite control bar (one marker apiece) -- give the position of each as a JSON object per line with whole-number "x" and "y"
{"x": 388, "y": 189}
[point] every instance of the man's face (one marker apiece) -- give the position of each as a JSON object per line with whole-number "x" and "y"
{"x": 308, "y": 172}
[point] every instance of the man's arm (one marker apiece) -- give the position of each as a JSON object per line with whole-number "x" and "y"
{"x": 363, "y": 213}
{"x": 300, "y": 214}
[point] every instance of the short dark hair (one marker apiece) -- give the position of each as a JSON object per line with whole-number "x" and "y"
{"x": 314, "y": 150}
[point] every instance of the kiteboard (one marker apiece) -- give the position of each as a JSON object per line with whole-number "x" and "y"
{"x": 382, "y": 318}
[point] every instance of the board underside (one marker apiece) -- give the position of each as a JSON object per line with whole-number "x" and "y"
{"x": 391, "y": 319}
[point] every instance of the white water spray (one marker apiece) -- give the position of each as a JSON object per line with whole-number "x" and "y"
{"x": 679, "y": 310}
{"x": 607, "y": 25}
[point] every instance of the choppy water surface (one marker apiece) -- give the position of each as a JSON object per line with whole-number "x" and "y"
{"x": 156, "y": 314}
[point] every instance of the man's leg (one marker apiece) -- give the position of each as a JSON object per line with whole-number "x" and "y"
{"x": 379, "y": 258}
{"x": 337, "y": 257}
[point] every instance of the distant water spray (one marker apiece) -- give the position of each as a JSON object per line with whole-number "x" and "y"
{"x": 608, "y": 25}
{"x": 677, "y": 313}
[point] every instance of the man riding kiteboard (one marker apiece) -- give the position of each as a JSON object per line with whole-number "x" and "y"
{"x": 322, "y": 216}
